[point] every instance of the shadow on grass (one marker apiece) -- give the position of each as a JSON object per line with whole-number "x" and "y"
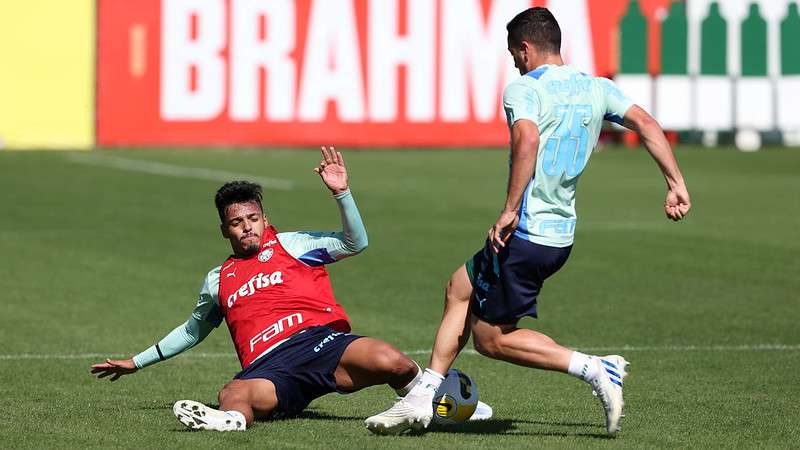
{"x": 503, "y": 427}
{"x": 308, "y": 414}
{"x": 509, "y": 427}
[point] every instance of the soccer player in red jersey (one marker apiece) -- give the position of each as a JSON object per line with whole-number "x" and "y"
{"x": 292, "y": 337}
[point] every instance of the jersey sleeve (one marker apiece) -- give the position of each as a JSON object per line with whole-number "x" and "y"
{"x": 617, "y": 103}
{"x": 317, "y": 248}
{"x": 207, "y": 307}
{"x": 204, "y": 318}
{"x": 521, "y": 101}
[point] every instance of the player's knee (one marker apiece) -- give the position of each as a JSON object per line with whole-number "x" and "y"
{"x": 393, "y": 362}
{"x": 453, "y": 295}
{"x": 232, "y": 390}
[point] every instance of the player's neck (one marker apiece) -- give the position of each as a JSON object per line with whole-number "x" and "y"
{"x": 550, "y": 58}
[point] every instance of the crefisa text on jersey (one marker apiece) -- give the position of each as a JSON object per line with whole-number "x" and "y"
{"x": 258, "y": 281}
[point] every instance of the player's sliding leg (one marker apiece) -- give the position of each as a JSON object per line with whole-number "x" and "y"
{"x": 253, "y": 398}
{"x": 240, "y": 402}
{"x": 530, "y": 348}
{"x": 369, "y": 362}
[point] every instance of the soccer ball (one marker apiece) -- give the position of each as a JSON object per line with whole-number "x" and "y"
{"x": 456, "y": 399}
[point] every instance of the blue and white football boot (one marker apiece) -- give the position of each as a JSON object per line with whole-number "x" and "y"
{"x": 607, "y": 385}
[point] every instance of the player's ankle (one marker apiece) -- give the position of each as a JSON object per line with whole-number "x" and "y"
{"x": 582, "y": 366}
{"x": 422, "y": 393}
{"x": 431, "y": 380}
{"x": 403, "y": 391}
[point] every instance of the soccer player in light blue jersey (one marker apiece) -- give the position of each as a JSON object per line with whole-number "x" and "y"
{"x": 555, "y": 113}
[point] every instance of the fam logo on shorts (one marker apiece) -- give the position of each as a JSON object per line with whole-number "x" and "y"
{"x": 265, "y": 255}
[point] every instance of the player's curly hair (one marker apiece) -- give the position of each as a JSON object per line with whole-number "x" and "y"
{"x": 236, "y": 192}
{"x": 537, "y": 26}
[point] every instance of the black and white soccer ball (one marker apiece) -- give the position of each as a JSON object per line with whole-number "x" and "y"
{"x": 456, "y": 399}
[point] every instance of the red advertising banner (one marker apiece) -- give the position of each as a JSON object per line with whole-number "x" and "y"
{"x": 305, "y": 72}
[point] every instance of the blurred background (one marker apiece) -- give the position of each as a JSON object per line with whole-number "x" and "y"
{"x": 88, "y": 74}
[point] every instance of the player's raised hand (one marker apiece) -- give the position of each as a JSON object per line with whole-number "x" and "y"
{"x": 677, "y": 204}
{"x": 502, "y": 230}
{"x": 114, "y": 368}
{"x": 332, "y": 170}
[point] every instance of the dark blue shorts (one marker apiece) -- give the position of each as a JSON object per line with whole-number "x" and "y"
{"x": 302, "y": 368}
{"x": 506, "y": 284}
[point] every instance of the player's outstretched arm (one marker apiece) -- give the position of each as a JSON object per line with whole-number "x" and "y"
{"x": 205, "y": 317}
{"x": 182, "y": 338}
{"x": 352, "y": 239}
{"x": 677, "y": 203}
{"x": 524, "y": 146}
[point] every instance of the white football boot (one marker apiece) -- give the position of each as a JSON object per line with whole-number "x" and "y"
{"x": 607, "y": 385}
{"x": 482, "y": 412}
{"x": 400, "y": 417}
{"x": 197, "y": 416}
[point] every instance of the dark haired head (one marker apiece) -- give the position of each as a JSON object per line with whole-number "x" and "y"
{"x": 236, "y": 192}
{"x": 537, "y": 26}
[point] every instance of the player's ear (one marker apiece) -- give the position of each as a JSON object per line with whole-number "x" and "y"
{"x": 526, "y": 49}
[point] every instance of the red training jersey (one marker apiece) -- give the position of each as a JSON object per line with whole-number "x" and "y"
{"x": 270, "y": 296}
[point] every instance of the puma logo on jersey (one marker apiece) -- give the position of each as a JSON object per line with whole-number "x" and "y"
{"x": 258, "y": 281}
{"x": 231, "y": 273}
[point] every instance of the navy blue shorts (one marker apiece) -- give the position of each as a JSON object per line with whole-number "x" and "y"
{"x": 506, "y": 284}
{"x": 302, "y": 368}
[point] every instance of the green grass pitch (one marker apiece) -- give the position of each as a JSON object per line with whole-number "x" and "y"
{"x": 102, "y": 256}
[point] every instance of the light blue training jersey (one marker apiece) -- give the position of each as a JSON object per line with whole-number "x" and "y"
{"x": 569, "y": 108}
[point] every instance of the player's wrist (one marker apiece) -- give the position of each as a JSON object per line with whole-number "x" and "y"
{"x": 339, "y": 193}
{"x": 675, "y": 182}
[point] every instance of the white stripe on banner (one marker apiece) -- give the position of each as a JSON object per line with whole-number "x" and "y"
{"x": 620, "y": 349}
{"x": 171, "y": 170}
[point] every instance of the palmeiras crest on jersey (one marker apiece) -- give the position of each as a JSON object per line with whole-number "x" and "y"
{"x": 265, "y": 255}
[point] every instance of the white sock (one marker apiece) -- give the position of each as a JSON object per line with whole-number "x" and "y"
{"x": 237, "y": 416}
{"x": 582, "y": 366}
{"x": 422, "y": 393}
{"x": 403, "y": 391}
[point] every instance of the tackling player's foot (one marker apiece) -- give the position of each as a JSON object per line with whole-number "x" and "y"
{"x": 197, "y": 416}
{"x": 405, "y": 415}
{"x": 607, "y": 384}
{"x": 402, "y": 416}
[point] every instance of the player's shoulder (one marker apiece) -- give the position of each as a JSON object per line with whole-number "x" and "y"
{"x": 609, "y": 87}
{"x": 292, "y": 236}
{"x": 525, "y": 81}
{"x": 211, "y": 280}
{"x": 519, "y": 88}
{"x": 214, "y": 272}
{"x": 283, "y": 235}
